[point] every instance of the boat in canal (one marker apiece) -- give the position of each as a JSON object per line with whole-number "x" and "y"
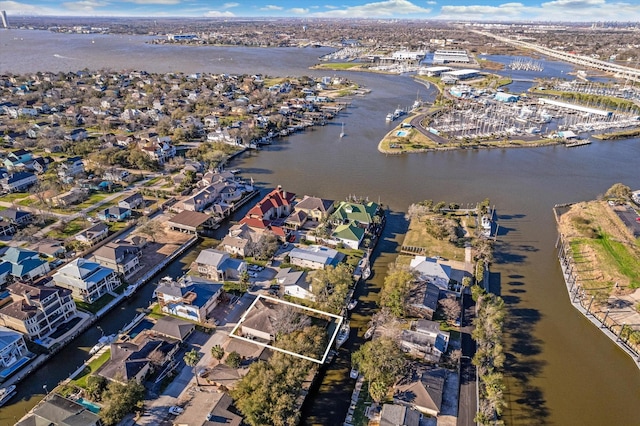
{"x": 354, "y": 373}
{"x": 6, "y": 394}
{"x": 343, "y": 334}
{"x": 352, "y": 304}
{"x": 369, "y": 333}
{"x": 128, "y": 292}
{"x": 102, "y": 342}
{"x": 342, "y": 132}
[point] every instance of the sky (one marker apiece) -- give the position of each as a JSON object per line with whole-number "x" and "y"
{"x": 469, "y": 10}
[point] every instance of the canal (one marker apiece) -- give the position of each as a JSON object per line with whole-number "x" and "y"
{"x": 560, "y": 369}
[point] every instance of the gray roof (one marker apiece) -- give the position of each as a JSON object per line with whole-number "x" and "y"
{"x": 57, "y": 410}
{"x": 173, "y": 327}
{"x": 314, "y": 203}
{"x": 423, "y": 388}
{"x": 398, "y": 415}
{"x": 212, "y": 257}
{"x": 316, "y": 254}
{"x": 288, "y": 277}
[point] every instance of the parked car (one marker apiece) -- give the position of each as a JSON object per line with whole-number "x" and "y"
{"x": 175, "y": 410}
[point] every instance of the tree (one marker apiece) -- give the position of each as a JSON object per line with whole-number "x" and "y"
{"x": 618, "y": 192}
{"x": 233, "y": 360}
{"x": 217, "y": 352}
{"x": 96, "y": 385}
{"x": 151, "y": 228}
{"x": 380, "y": 362}
{"x": 244, "y": 280}
{"x": 265, "y": 247}
{"x": 451, "y": 308}
{"x": 289, "y": 319}
{"x": 121, "y": 399}
{"x": 330, "y": 286}
{"x": 191, "y": 358}
{"x": 395, "y": 290}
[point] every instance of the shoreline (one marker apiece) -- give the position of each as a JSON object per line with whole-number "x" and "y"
{"x": 576, "y": 301}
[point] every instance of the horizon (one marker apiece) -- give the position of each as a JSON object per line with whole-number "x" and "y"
{"x": 526, "y": 11}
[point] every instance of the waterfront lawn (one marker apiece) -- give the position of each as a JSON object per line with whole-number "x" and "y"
{"x": 81, "y": 379}
{"x": 95, "y": 306}
{"x": 69, "y": 229}
{"x": 617, "y": 257}
{"x": 417, "y": 236}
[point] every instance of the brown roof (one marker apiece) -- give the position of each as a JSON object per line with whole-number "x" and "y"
{"x": 190, "y": 219}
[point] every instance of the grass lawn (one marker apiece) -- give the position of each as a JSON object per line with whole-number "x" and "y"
{"x": 70, "y": 229}
{"x": 95, "y": 306}
{"x": 10, "y": 198}
{"x": 81, "y": 379}
{"x": 92, "y": 200}
{"x": 417, "y": 236}
{"x": 364, "y": 402}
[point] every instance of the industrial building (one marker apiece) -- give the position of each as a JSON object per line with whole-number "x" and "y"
{"x": 433, "y": 71}
{"x": 506, "y": 97}
{"x": 445, "y": 56}
{"x": 452, "y": 77}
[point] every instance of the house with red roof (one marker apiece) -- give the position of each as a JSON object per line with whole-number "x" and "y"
{"x": 269, "y": 214}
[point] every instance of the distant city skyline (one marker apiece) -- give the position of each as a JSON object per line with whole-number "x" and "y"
{"x": 471, "y": 10}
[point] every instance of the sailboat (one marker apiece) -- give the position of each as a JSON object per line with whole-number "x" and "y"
{"x": 342, "y": 132}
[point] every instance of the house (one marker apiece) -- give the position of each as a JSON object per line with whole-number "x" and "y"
{"x": 422, "y": 389}
{"x": 218, "y": 265}
{"x": 295, "y": 283}
{"x": 17, "y": 159}
{"x": 37, "y": 310}
{"x": 114, "y": 213}
{"x": 425, "y": 340}
{"x": 88, "y": 281}
{"x": 315, "y": 208}
{"x": 276, "y": 204}
{"x": 259, "y": 321}
{"x": 362, "y": 215}
{"x": 173, "y": 328}
{"x": 73, "y": 196}
{"x": 96, "y": 233}
{"x": 49, "y": 247}
{"x": 314, "y": 257}
{"x": 18, "y": 181}
{"x": 25, "y": 265}
{"x": 423, "y": 301}
{"x": 76, "y": 135}
{"x": 159, "y": 151}
{"x": 399, "y": 415}
{"x": 190, "y": 298}
{"x": 191, "y": 222}
{"x": 56, "y": 410}
{"x": 210, "y": 408}
{"x": 16, "y": 217}
{"x": 432, "y": 271}
{"x": 122, "y": 257}
{"x": 348, "y": 234}
{"x": 13, "y": 351}
{"x": 7, "y": 228}
{"x": 133, "y": 201}
{"x": 72, "y": 166}
{"x": 134, "y": 360}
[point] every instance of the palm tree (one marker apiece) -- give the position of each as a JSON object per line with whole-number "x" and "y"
{"x": 191, "y": 358}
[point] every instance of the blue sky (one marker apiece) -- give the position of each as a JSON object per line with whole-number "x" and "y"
{"x": 534, "y": 10}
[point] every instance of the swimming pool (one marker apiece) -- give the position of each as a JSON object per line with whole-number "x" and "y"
{"x": 402, "y": 133}
{"x": 140, "y": 327}
{"x": 94, "y": 408}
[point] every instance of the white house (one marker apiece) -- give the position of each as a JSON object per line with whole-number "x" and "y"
{"x": 87, "y": 281}
{"x": 314, "y": 257}
{"x": 430, "y": 270}
{"x": 295, "y": 283}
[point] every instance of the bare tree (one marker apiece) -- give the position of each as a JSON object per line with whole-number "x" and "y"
{"x": 450, "y": 308}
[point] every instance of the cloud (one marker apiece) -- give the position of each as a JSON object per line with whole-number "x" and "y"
{"x": 506, "y": 10}
{"x": 271, "y": 7}
{"x": 17, "y": 8}
{"x": 230, "y": 5}
{"x": 299, "y": 10}
{"x": 163, "y": 2}
{"x": 571, "y": 4}
{"x": 84, "y": 5}
{"x": 431, "y": 2}
{"x": 387, "y": 8}
{"x": 219, "y": 14}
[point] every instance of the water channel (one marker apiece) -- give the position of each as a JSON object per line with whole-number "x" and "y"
{"x": 560, "y": 369}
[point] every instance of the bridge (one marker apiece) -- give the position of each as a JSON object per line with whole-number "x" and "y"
{"x": 619, "y": 71}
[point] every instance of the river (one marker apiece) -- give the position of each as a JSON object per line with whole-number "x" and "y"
{"x": 560, "y": 369}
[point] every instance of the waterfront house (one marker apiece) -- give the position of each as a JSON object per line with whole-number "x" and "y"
{"x": 13, "y": 350}
{"x": 218, "y": 193}
{"x": 122, "y": 257}
{"x": 88, "y": 281}
{"x": 423, "y": 299}
{"x": 190, "y": 297}
{"x": 191, "y": 222}
{"x": 429, "y": 269}
{"x": 362, "y": 215}
{"x": 16, "y": 216}
{"x": 210, "y": 408}
{"x": 314, "y": 257}
{"x": 218, "y": 265}
{"x": 134, "y": 360}
{"x": 37, "y": 311}
{"x": 131, "y": 202}
{"x": 421, "y": 389}
{"x": 276, "y": 204}
{"x": 295, "y": 283}
{"x": 57, "y": 410}
{"x": 259, "y": 321}
{"x": 348, "y": 234}
{"x": 425, "y": 340}
{"x": 173, "y": 328}
{"x": 18, "y": 181}
{"x": 94, "y": 234}
{"x": 25, "y": 265}
{"x": 315, "y": 208}
{"x": 114, "y": 213}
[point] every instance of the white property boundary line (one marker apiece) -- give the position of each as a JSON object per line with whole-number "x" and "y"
{"x": 304, "y": 308}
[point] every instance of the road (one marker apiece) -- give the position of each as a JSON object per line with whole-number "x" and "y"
{"x": 468, "y": 404}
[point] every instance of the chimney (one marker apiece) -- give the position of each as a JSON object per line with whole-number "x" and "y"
{"x": 27, "y": 298}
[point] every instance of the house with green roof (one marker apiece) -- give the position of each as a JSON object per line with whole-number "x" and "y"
{"x": 359, "y": 214}
{"x": 349, "y": 234}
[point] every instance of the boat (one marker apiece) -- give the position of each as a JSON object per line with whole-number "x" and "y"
{"x": 102, "y": 342}
{"x": 486, "y": 222}
{"x": 354, "y": 373}
{"x": 390, "y": 117}
{"x": 342, "y": 133}
{"x": 6, "y": 394}
{"x": 343, "y": 334}
{"x": 352, "y": 304}
{"x": 366, "y": 273}
{"x": 129, "y": 290}
{"x": 369, "y": 333}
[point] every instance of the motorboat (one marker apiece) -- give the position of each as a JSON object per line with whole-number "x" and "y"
{"x": 343, "y": 334}
{"x": 366, "y": 273}
{"x": 6, "y": 394}
{"x": 129, "y": 290}
{"x": 342, "y": 132}
{"x": 369, "y": 333}
{"x": 102, "y": 342}
{"x": 354, "y": 373}
{"x": 352, "y": 304}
